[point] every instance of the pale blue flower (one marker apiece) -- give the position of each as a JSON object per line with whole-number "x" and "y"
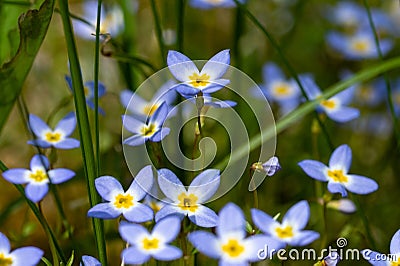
{"x": 214, "y": 102}
{"x": 144, "y": 245}
{"x": 38, "y": 177}
{"x": 188, "y": 202}
{"x": 208, "y": 4}
{"x": 335, "y": 107}
{"x": 370, "y": 93}
{"x": 378, "y": 259}
{"x": 332, "y": 259}
{"x": 89, "y": 261}
{"x": 26, "y": 256}
{"x": 343, "y": 205}
{"x": 58, "y": 138}
{"x": 347, "y": 14}
{"x": 230, "y": 245}
{"x": 152, "y": 130}
{"x": 192, "y": 80}
{"x": 123, "y": 202}
{"x": 290, "y": 231}
{"x": 337, "y": 174}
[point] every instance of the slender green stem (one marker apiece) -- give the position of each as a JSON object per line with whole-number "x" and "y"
{"x": 96, "y": 87}
{"x": 180, "y": 29}
{"x": 157, "y": 23}
{"x": 42, "y": 220}
{"x": 84, "y": 127}
{"x": 385, "y": 76}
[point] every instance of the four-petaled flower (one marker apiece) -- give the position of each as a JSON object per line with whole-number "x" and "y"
{"x": 27, "y": 256}
{"x": 230, "y": 245}
{"x": 194, "y": 82}
{"x": 290, "y": 231}
{"x": 38, "y": 177}
{"x": 188, "y": 201}
{"x": 144, "y": 131}
{"x": 58, "y": 138}
{"x": 334, "y": 107}
{"x": 121, "y": 202}
{"x": 144, "y": 245}
{"x": 377, "y": 259}
{"x": 337, "y": 173}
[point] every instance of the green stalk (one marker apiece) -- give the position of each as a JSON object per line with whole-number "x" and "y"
{"x": 42, "y": 220}
{"x": 385, "y": 76}
{"x": 84, "y": 127}
{"x": 157, "y": 23}
{"x": 268, "y": 132}
{"x": 96, "y": 87}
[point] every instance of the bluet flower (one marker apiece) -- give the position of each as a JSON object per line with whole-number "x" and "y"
{"x": 230, "y": 244}
{"x": 337, "y": 174}
{"x": 347, "y": 14}
{"x": 192, "y": 80}
{"x": 208, "y": 4}
{"x": 189, "y": 201}
{"x": 58, "y": 138}
{"x": 343, "y": 205}
{"x": 27, "y": 256}
{"x": 38, "y": 177}
{"x": 144, "y": 131}
{"x": 123, "y": 202}
{"x": 335, "y": 107}
{"x": 377, "y": 259}
{"x": 290, "y": 231}
{"x": 271, "y": 166}
{"x": 144, "y": 245}
{"x": 89, "y": 261}
{"x": 89, "y": 92}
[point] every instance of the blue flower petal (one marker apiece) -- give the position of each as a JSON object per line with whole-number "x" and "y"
{"x": 159, "y": 115}
{"x": 5, "y": 246}
{"x": 205, "y": 185}
{"x": 271, "y": 72}
{"x": 90, "y": 261}
{"x": 216, "y": 85}
{"x": 217, "y": 65}
{"x": 168, "y": 253}
{"x": 360, "y": 184}
{"x": 135, "y": 140}
{"x": 37, "y": 125}
{"x": 206, "y": 243}
{"x": 167, "y": 229}
{"x": 27, "y": 256}
{"x": 39, "y": 161}
{"x": 311, "y": 88}
{"x": 263, "y": 221}
{"x": 204, "y": 217}
{"x": 133, "y": 255}
{"x": 139, "y": 213}
{"x": 297, "y": 216}
{"x": 303, "y": 238}
{"x": 257, "y": 242}
{"x": 39, "y": 143}
{"x": 337, "y": 188}
{"x": 167, "y": 210}
{"x": 343, "y": 114}
{"x": 107, "y": 186}
{"x": 92, "y": 106}
{"x": 160, "y": 135}
{"x": 17, "y": 175}
{"x": 67, "y": 124}
{"x": 180, "y": 66}
{"x": 186, "y": 90}
{"x": 346, "y": 96}
{"x": 60, "y": 175}
{"x": 373, "y": 257}
{"x": 341, "y": 158}
{"x": 36, "y": 192}
{"x": 314, "y": 169}
{"x": 395, "y": 243}
{"x": 132, "y": 124}
{"x": 103, "y": 211}
{"x": 142, "y": 183}
{"x": 231, "y": 218}
{"x": 169, "y": 184}
{"x": 132, "y": 233}
{"x": 68, "y": 143}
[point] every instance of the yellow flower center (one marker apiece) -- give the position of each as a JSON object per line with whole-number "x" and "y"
{"x": 284, "y": 232}
{"x": 123, "y": 201}
{"x": 282, "y": 89}
{"x": 149, "y": 109}
{"x": 365, "y": 92}
{"x": 360, "y": 46}
{"x": 233, "y": 248}
{"x": 86, "y": 91}
{"x": 156, "y": 207}
{"x": 5, "y": 261}
{"x": 38, "y": 175}
{"x": 150, "y": 243}
{"x": 148, "y": 130}
{"x": 395, "y": 263}
{"x": 337, "y": 176}
{"x": 199, "y": 81}
{"x": 330, "y": 104}
{"x": 52, "y": 137}
{"x": 187, "y": 202}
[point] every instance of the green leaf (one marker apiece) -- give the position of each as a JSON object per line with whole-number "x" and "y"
{"x": 71, "y": 259}
{"x": 47, "y": 262}
{"x": 33, "y": 27}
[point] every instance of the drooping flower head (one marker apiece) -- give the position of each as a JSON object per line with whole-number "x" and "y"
{"x": 336, "y": 174}
{"x": 28, "y": 256}
{"x": 208, "y": 4}
{"x": 188, "y": 202}
{"x": 123, "y": 202}
{"x": 151, "y": 130}
{"x": 89, "y": 92}
{"x": 58, "y": 138}
{"x": 343, "y": 205}
{"x": 144, "y": 245}
{"x": 290, "y": 231}
{"x": 230, "y": 244}
{"x": 376, "y": 258}
{"x": 335, "y": 107}
{"x": 270, "y": 167}
{"x": 193, "y": 81}
{"x": 38, "y": 177}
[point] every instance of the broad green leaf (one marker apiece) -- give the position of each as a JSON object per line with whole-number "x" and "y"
{"x": 33, "y": 27}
